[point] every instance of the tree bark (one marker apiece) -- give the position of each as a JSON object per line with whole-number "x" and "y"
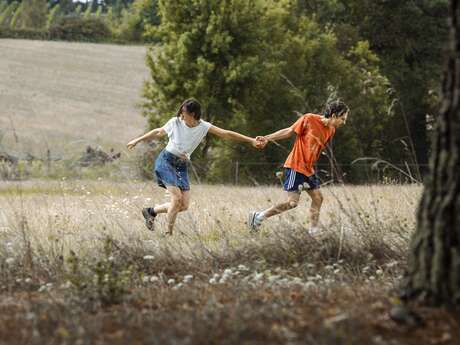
{"x": 434, "y": 258}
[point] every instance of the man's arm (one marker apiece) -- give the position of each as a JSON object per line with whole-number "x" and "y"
{"x": 281, "y": 134}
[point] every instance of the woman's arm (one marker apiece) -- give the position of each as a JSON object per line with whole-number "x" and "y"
{"x": 153, "y": 134}
{"x": 230, "y": 135}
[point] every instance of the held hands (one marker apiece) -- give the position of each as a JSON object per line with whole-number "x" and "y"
{"x": 260, "y": 142}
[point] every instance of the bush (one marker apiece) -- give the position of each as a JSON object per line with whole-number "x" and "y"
{"x": 81, "y": 29}
{"x": 32, "y": 34}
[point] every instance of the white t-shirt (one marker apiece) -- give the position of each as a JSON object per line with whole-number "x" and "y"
{"x": 183, "y": 140}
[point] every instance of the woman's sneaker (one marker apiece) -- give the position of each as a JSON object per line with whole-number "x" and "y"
{"x": 149, "y": 215}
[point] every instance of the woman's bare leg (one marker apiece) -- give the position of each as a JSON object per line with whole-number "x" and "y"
{"x": 175, "y": 207}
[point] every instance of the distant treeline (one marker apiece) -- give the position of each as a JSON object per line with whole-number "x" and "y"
{"x": 256, "y": 64}
{"x": 94, "y": 21}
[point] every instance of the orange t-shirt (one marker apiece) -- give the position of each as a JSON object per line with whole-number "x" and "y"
{"x": 312, "y": 137}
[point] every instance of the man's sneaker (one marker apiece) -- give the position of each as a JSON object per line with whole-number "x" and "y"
{"x": 149, "y": 215}
{"x": 253, "y": 221}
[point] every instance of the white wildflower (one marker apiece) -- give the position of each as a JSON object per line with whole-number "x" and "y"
{"x": 66, "y": 285}
{"x": 336, "y": 271}
{"x": 178, "y": 286}
{"x": 391, "y": 264}
{"x": 273, "y": 278}
{"x": 371, "y": 278}
{"x": 242, "y": 268}
{"x": 110, "y": 258}
{"x": 146, "y": 279}
{"x": 171, "y": 281}
{"x": 149, "y": 257}
{"x": 297, "y": 280}
{"x": 212, "y": 281}
{"x": 28, "y": 280}
{"x": 329, "y": 267}
{"x": 258, "y": 276}
{"x": 9, "y": 261}
{"x": 216, "y": 276}
{"x": 19, "y": 280}
{"x": 228, "y": 271}
{"x": 366, "y": 269}
{"x": 154, "y": 279}
{"x": 188, "y": 278}
{"x": 310, "y": 285}
{"x": 379, "y": 272}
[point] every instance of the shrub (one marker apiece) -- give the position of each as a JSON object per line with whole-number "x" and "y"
{"x": 81, "y": 29}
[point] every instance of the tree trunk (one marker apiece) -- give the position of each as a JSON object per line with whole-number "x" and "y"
{"x": 434, "y": 259}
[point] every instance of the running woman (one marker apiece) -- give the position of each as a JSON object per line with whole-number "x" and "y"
{"x": 185, "y": 131}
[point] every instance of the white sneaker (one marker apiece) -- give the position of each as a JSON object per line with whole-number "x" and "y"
{"x": 253, "y": 221}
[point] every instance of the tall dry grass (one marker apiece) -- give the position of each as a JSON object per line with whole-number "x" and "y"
{"x": 81, "y": 248}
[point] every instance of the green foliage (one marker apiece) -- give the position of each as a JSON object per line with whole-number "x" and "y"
{"x": 81, "y": 29}
{"x": 78, "y": 9}
{"x": 87, "y": 13}
{"x": 134, "y": 21}
{"x": 214, "y": 51}
{"x": 16, "y": 20}
{"x": 31, "y": 34}
{"x": 408, "y": 36}
{"x": 34, "y": 14}
{"x": 53, "y": 16}
{"x": 68, "y": 6}
{"x": 3, "y": 6}
{"x": 235, "y": 57}
{"x": 7, "y": 15}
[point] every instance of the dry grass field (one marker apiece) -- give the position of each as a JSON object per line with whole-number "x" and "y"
{"x": 78, "y": 266}
{"x": 64, "y": 96}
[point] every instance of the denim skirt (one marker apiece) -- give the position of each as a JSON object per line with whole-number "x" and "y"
{"x": 171, "y": 170}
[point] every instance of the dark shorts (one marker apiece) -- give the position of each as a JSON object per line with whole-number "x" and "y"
{"x": 294, "y": 179}
{"x": 171, "y": 170}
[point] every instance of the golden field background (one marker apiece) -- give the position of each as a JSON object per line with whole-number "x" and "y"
{"x": 64, "y": 96}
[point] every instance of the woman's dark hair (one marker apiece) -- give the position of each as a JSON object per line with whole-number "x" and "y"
{"x": 337, "y": 108}
{"x": 191, "y": 105}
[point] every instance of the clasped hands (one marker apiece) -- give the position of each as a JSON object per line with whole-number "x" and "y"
{"x": 260, "y": 142}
